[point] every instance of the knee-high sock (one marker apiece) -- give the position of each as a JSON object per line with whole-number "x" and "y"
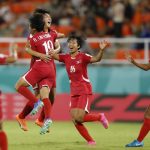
{"x": 83, "y": 132}
{"x": 26, "y": 110}
{"x": 3, "y": 141}
{"x": 144, "y": 130}
{"x": 91, "y": 117}
{"x": 42, "y": 115}
{"x": 47, "y": 108}
{"x": 27, "y": 94}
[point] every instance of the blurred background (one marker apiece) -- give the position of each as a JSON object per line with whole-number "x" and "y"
{"x": 121, "y": 90}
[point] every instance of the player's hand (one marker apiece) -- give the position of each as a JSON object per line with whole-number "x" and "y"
{"x": 129, "y": 57}
{"x": 104, "y": 44}
{"x": 45, "y": 57}
{"x": 14, "y": 49}
{"x": 52, "y": 52}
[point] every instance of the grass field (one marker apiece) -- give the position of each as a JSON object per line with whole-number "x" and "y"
{"x": 63, "y": 136}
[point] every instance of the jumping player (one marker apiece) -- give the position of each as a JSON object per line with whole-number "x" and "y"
{"x": 40, "y": 42}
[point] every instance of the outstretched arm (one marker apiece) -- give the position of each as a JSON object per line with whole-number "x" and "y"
{"x": 99, "y": 56}
{"x": 145, "y": 67}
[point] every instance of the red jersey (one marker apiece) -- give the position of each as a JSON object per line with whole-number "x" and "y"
{"x": 2, "y": 59}
{"x": 77, "y": 73}
{"x": 53, "y": 34}
{"x": 42, "y": 42}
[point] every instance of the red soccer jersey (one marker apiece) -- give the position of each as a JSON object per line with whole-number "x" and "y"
{"x": 42, "y": 42}
{"x": 77, "y": 73}
{"x": 2, "y": 59}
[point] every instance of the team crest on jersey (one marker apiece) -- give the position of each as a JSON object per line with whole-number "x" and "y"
{"x": 78, "y": 62}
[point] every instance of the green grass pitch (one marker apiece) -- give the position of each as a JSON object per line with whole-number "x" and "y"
{"x": 63, "y": 136}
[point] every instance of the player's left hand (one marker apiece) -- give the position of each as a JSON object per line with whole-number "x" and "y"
{"x": 104, "y": 44}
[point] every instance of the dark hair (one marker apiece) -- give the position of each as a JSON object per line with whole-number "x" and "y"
{"x": 79, "y": 38}
{"x": 41, "y": 11}
{"x": 37, "y": 22}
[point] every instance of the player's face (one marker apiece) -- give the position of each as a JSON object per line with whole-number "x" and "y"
{"x": 73, "y": 45}
{"x": 47, "y": 20}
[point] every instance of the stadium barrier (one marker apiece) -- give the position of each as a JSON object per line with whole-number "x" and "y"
{"x": 116, "y": 107}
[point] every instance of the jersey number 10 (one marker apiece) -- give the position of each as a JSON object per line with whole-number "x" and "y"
{"x": 48, "y": 45}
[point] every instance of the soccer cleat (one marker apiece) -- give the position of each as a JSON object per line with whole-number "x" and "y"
{"x": 46, "y": 125}
{"x": 40, "y": 124}
{"x": 135, "y": 143}
{"x": 39, "y": 104}
{"x": 22, "y": 123}
{"x": 91, "y": 143}
{"x": 104, "y": 121}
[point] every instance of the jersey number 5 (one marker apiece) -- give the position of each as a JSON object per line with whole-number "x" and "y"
{"x": 48, "y": 45}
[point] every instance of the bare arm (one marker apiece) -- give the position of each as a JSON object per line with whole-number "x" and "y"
{"x": 13, "y": 57}
{"x": 99, "y": 56}
{"x": 60, "y": 35}
{"x": 43, "y": 57}
{"x": 145, "y": 67}
{"x": 57, "y": 47}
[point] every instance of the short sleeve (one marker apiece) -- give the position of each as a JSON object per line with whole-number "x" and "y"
{"x": 2, "y": 59}
{"x": 86, "y": 58}
{"x": 54, "y": 32}
{"x": 62, "y": 57}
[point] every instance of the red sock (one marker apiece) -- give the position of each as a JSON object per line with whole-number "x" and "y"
{"x": 42, "y": 115}
{"x": 27, "y": 94}
{"x": 26, "y": 110}
{"x": 144, "y": 130}
{"x": 91, "y": 117}
{"x": 83, "y": 132}
{"x": 47, "y": 108}
{"x": 3, "y": 141}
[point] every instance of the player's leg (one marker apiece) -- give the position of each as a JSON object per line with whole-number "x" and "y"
{"x": 79, "y": 126}
{"x": 3, "y": 136}
{"x": 44, "y": 93}
{"x": 143, "y": 131}
{"x": 41, "y": 117}
{"x": 3, "y": 139}
{"x": 84, "y": 104}
{"x": 22, "y": 87}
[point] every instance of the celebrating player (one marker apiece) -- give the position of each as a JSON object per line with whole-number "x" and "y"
{"x": 46, "y": 58}
{"x": 146, "y": 124}
{"x": 40, "y": 42}
{"x": 5, "y": 60}
{"x": 81, "y": 90}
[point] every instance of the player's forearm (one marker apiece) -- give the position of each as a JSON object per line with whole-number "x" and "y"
{"x": 98, "y": 57}
{"x": 55, "y": 56}
{"x": 60, "y": 35}
{"x": 11, "y": 59}
{"x": 32, "y": 52}
{"x": 142, "y": 66}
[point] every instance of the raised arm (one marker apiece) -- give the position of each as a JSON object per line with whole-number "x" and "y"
{"x": 13, "y": 56}
{"x": 99, "y": 56}
{"x": 57, "y": 46}
{"x": 145, "y": 67}
{"x": 60, "y": 35}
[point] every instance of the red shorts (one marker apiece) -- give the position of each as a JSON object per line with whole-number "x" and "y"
{"x": 45, "y": 82}
{"x": 41, "y": 76}
{"x": 81, "y": 101}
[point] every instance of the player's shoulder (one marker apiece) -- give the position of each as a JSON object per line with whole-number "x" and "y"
{"x": 84, "y": 54}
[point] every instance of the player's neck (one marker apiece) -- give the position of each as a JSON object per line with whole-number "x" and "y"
{"x": 74, "y": 54}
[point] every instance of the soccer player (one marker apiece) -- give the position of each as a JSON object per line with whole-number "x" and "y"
{"x": 5, "y": 60}
{"x": 81, "y": 90}
{"x": 146, "y": 124}
{"x": 41, "y": 42}
{"x": 46, "y": 58}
